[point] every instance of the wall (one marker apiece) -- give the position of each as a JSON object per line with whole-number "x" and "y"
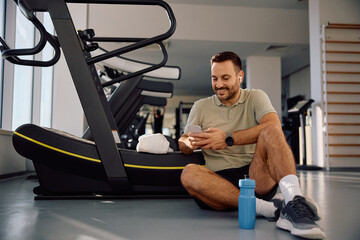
{"x": 10, "y": 161}
{"x": 198, "y": 22}
{"x": 340, "y": 11}
{"x": 264, "y": 72}
{"x": 299, "y": 83}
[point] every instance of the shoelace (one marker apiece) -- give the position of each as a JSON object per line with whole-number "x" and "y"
{"x": 278, "y": 204}
{"x": 301, "y": 208}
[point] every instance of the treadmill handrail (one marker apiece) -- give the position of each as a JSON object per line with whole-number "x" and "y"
{"x": 142, "y": 43}
{"x": 143, "y": 71}
{"x": 138, "y": 44}
{"x": 11, "y": 55}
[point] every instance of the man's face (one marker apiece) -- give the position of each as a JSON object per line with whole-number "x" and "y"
{"x": 226, "y": 82}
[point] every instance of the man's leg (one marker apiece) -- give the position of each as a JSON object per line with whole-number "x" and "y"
{"x": 273, "y": 162}
{"x": 210, "y": 188}
{"x": 215, "y": 191}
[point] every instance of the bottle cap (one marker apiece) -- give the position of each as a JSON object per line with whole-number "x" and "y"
{"x": 247, "y": 183}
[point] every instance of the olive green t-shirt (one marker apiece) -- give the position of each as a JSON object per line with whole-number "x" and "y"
{"x": 245, "y": 113}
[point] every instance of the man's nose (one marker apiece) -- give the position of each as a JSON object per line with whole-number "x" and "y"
{"x": 219, "y": 83}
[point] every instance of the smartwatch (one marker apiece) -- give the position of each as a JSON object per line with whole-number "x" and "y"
{"x": 229, "y": 140}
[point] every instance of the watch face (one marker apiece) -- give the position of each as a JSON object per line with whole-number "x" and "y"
{"x": 229, "y": 141}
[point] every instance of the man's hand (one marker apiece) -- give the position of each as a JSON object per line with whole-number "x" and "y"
{"x": 185, "y": 145}
{"x": 212, "y": 138}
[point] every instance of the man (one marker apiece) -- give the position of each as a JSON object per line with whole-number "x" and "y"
{"x": 242, "y": 135}
{"x": 158, "y": 119}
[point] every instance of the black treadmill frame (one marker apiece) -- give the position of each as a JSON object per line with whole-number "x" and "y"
{"x": 87, "y": 82}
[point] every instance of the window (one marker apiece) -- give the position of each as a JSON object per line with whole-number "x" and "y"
{"x": 23, "y": 75}
{"x": 2, "y": 24}
{"x": 26, "y": 91}
{"x": 32, "y": 88}
{"x": 46, "y": 78}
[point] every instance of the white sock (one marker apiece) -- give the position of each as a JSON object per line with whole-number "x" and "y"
{"x": 264, "y": 208}
{"x": 289, "y": 186}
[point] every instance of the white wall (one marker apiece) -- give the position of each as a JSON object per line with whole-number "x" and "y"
{"x": 264, "y": 72}
{"x": 195, "y": 22}
{"x": 10, "y": 161}
{"x": 339, "y": 11}
{"x": 300, "y": 83}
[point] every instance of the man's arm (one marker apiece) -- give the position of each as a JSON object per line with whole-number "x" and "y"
{"x": 251, "y": 135}
{"x": 214, "y": 138}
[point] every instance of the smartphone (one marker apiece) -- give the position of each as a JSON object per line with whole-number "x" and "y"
{"x": 193, "y": 129}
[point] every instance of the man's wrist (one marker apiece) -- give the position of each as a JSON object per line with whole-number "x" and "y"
{"x": 229, "y": 140}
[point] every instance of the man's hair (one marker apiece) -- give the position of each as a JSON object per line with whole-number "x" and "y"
{"x": 225, "y": 56}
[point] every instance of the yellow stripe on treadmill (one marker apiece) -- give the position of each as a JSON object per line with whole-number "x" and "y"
{"x": 57, "y": 149}
{"x": 152, "y": 167}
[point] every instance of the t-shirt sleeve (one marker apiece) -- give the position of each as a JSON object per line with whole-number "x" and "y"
{"x": 262, "y": 104}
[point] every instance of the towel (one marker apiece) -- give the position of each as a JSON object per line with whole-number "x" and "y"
{"x": 153, "y": 143}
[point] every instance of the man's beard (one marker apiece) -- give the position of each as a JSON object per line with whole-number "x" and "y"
{"x": 230, "y": 95}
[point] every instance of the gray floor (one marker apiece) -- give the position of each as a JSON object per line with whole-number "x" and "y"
{"x": 338, "y": 194}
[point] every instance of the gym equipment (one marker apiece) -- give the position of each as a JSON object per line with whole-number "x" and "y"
{"x": 297, "y": 113}
{"x": 127, "y": 99}
{"x": 129, "y": 65}
{"x": 68, "y": 165}
{"x": 134, "y": 131}
{"x": 182, "y": 113}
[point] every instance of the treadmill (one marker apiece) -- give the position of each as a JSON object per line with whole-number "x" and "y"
{"x": 70, "y": 166}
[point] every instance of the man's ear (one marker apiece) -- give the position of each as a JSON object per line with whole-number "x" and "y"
{"x": 241, "y": 75}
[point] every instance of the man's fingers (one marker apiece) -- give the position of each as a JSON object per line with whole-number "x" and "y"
{"x": 209, "y": 130}
{"x": 200, "y": 141}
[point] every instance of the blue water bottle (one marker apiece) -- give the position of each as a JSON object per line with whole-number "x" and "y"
{"x": 247, "y": 203}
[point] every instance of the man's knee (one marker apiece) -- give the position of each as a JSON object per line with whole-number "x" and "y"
{"x": 271, "y": 132}
{"x": 189, "y": 174}
{"x": 192, "y": 177}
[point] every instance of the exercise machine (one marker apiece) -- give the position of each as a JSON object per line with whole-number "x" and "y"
{"x": 67, "y": 165}
{"x": 298, "y": 113}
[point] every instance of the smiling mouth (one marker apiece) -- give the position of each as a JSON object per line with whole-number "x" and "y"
{"x": 221, "y": 91}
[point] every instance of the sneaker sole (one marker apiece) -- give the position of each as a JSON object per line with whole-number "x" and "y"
{"x": 314, "y": 233}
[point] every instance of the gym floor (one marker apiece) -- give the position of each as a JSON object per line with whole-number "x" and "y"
{"x": 23, "y": 218}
